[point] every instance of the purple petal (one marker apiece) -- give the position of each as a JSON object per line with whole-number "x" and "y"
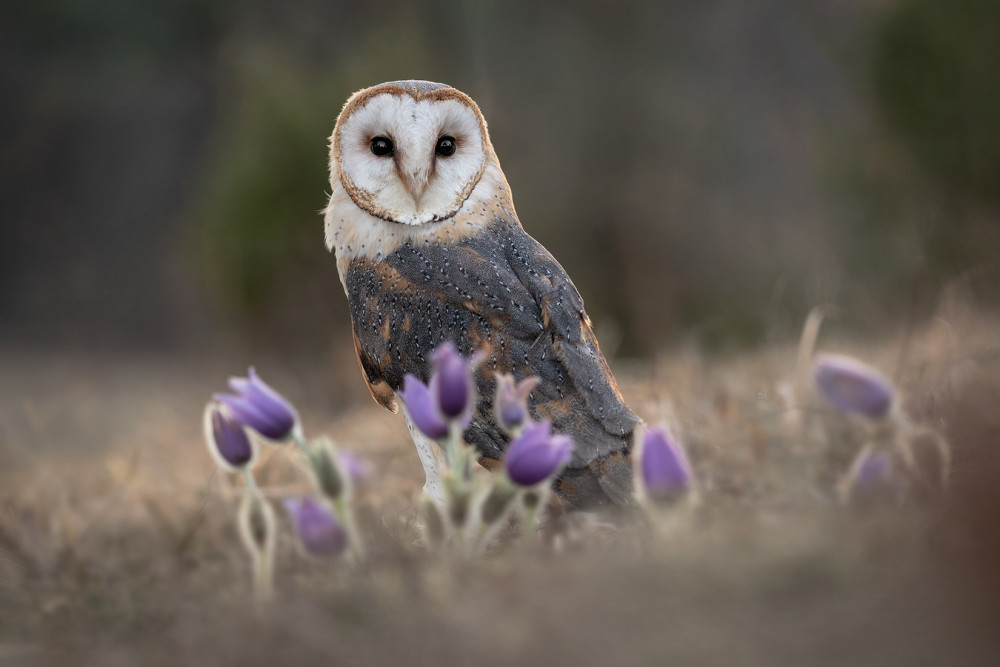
{"x": 666, "y": 473}
{"x": 243, "y": 411}
{"x": 874, "y": 479}
{"x": 422, "y": 408}
{"x": 512, "y": 400}
{"x": 853, "y": 387}
{"x": 230, "y": 440}
{"x": 275, "y": 413}
{"x": 536, "y": 456}
{"x": 562, "y": 449}
{"x": 875, "y": 468}
{"x": 355, "y": 465}
{"x": 249, "y": 415}
{"x": 453, "y": 381}
{"x": 318, "y": 529}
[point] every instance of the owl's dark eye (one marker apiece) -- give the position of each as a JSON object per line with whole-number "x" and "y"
{"x": 381, "y": 146}
{"x": 445, "y": 146}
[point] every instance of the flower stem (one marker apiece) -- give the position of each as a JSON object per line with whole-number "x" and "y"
{"x": 455, "y": 451}
{"x": 263, "y": 579}
{"x": 346, "y": 518}
{"x": 251, "y": 483}
{"x": 533, "y": 502}
{"x": 261, "y": 547}
{"x": 531, "y": 526}
{"x": 300, "y": 441}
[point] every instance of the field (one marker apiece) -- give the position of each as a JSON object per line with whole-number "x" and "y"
{"x": 118, "y": 545}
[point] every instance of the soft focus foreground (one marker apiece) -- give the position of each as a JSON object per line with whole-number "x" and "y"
{"x": 118, "y": 541}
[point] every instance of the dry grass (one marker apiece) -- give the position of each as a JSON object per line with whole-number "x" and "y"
{"x": 117, "y": 543}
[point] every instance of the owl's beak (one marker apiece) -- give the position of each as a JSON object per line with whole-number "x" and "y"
{"x": 416, "y": 181}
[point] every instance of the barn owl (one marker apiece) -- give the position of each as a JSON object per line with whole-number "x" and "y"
{"x": 430, "y": 250}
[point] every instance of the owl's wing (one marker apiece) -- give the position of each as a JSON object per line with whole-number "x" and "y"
{"x": 573, "y": 338}
{"x": 383, "y": 394}
{"x": 602, "y": 427}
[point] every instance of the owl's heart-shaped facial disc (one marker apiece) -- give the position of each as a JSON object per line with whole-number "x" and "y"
{"x": 409, "y": 158}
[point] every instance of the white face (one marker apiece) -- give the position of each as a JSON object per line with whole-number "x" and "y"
{"x": 411, "y": 162}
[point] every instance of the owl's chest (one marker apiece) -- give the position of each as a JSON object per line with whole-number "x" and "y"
{"x": 392, "y": 313}
{"x": 404, "y": 307}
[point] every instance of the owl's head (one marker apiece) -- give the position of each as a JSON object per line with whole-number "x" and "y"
{"x": 409, "y": 152}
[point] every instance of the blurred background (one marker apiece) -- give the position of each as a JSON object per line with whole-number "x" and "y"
{"x": 704, "y": 170}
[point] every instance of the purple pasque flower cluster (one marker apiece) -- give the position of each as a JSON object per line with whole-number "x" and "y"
{"x": 664, "y": 468}
{"x": 472, "y": 508}
{"x": 448, "y": 399}
{"x": 536, "y": 455}
{"x": 255, "y": 406}
{"x": 853, "y": 387}
{"x": 324, "y": 525}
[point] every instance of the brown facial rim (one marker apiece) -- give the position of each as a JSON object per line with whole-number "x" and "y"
{"x": 358, "y": 100}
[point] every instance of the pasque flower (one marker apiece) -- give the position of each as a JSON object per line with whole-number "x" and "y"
{"x": 327, "y": 472}
{"x": 452, "y": 381}
{"x": 512, "y": 400}
{"x": 874, "y": 469}
{"x": 259, "y": 407}
{"x": 537, "y": 455}
{"x": 873, "y": 479}
{"x": 666, "y": 473}
{"x": 355, "y": 466}
{"x": 319, "y": 531}
{"x": 853, "y": 387}
{"x": 449, "y": 397}
{"x": 227, "y": 440}
{"x": 423, "y": 409}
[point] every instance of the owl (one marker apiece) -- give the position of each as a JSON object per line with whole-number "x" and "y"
{"x": 429, "y": 250}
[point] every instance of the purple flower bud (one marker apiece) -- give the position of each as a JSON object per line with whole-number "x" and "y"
{"x": 853, "y": 387}
{"x": 227, "y": 440}
{"x": 512, "y": 400}
{"x": 318, "y": 529}
{"x": 874, "y": 469}
{"x": 537, "y": 455}
{"x": 452, "y": 381}
{"x": 326, "y": 470}
{"x": 873, "y": 480}
{"x": 354, "y": 465}
{"x": 260, "y": 407}
{"x": 423, "y": 409}
{"x": 666, "y": 473}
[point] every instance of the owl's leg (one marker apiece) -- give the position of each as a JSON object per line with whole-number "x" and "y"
{"x": 429, "y": 453}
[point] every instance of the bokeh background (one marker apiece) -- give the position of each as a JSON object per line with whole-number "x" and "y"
{"x": 704, "y": 170}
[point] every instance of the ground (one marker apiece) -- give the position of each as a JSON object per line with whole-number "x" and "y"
{"x": 117, "y": 539}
